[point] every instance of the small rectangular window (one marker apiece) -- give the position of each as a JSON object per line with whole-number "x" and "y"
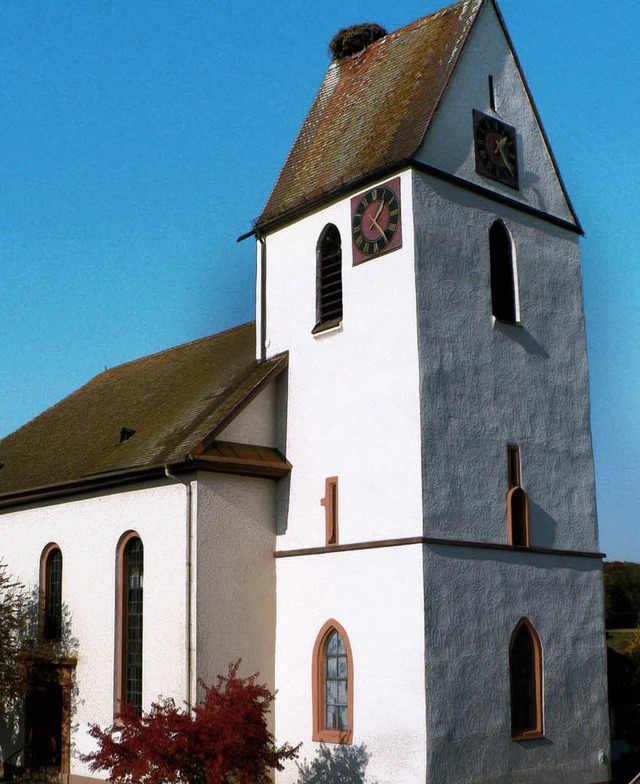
{"x": 492, "y": 95}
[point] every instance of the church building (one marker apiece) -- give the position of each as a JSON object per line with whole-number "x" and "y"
{"x": 381, "y": 493}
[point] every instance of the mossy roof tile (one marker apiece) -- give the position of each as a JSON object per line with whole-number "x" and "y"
{"x": 372, "y": 110}
{"x": 172, "y": 400}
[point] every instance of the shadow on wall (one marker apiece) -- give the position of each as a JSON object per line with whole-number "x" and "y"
{"x": 543, "y": 524}
{"x": 522, "y": 336}
{"x": 336, "y": 765}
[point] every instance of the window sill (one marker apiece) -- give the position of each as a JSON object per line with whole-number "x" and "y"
{"x": 504, "y": 323}
{"x": 327, "y": 327}
{"x": 345, "y": 737}
{"x": 530, "y": 735}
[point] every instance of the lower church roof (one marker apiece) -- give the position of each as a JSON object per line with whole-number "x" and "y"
{"x": 163, "y": 409}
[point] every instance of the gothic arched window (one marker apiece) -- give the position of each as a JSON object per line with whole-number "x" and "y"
{"x": 332, "y": 687}
{"x": 328, "y": 279}
{"x": 130, "y": 620}
{"x": 51, "y": 592}
{"x": 504, "y": 304}
{"x": 525, "y": 672}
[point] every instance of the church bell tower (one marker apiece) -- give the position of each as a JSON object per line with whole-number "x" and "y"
{"x": 439, "y": 593}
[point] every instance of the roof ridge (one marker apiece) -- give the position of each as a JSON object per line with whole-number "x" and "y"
{"x": 441, "y": 12}
{"x": 169, "y": 350}
{"x": 116, "y": 368}
{"x": 354, "y": 127}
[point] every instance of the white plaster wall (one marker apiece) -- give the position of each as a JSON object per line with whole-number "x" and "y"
{"x": 353, "y": 407}
{"x": 473, "y": 601}
{"x": 486, "y": 384}
{"x": 256, "y": 424}
{"x": 236, "y": 576}
{"x": 376, "y": 595}
{"x": 449, "y": 142}
{"x": 87, "y": 531}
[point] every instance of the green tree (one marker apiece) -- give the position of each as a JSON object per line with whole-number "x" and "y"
{"x": 621, "y": 593}
{"x": 15, "y": 624}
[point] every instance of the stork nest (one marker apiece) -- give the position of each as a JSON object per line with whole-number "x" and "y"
{"x": 351, "y": 40}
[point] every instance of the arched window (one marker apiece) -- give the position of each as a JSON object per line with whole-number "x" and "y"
{"x": 517, "y": 501}
{"x": 332, "y": 686}
{"x": 518, "y": 517}
{"x": 51, "y": 592}
{"x": 525, "y": 671}
{"x": 328, "y": 279}
{"x": 503, "y": 279}
{"x": 130, "y": 620}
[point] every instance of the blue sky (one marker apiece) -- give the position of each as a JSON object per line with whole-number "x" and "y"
{"x": 138, "y": 139}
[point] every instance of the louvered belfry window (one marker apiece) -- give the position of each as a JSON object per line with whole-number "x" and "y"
{"x": 329, "y": 279}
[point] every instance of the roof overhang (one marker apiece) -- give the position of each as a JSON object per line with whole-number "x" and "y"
{"x": 258, "y": 462}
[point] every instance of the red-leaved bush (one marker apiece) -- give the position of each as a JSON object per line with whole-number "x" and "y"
{"x": 224, "y": 739}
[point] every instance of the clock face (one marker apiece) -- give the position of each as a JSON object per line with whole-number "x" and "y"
{"x": 375, "y": 221}
{"x": 496, "y": 149}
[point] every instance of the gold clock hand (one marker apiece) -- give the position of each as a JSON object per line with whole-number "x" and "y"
{"x": 375, "y": 223}
{"x": 377, "y": 215}
{"x": 500, "y": 148}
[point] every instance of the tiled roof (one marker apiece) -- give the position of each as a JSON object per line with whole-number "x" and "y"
{"x": 372, "y": 110}
{"x": 148, "y": 412}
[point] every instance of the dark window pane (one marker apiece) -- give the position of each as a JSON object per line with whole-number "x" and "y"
{"x": 523, "y": 682}
{"x": 53, "y": 595}
{"x": 503, "y": 301}
{"x": 132, "y": 626}
{"x": 335, "y": 687}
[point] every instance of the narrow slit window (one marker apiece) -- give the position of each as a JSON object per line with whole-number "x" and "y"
{"x": 328, "y": 279}
{"x": 513, "y": 464}
{"x": 503, "y": 288}
{"x": 492, "y": 95}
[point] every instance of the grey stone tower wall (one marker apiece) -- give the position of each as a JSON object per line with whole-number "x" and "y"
{"x": 484, "y": 385}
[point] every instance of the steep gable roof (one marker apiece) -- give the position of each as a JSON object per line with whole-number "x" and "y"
{"x": 153, "y": 411}
{"x": 372, "y": 110}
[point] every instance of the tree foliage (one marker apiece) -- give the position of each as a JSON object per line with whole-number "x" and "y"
{"x": 224, "y": 739}
{"x": 622, "y": 594}
{"x": 25, "y": 656}
{"x": 339, "y": 765}
{"x": 14, "y": 624}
